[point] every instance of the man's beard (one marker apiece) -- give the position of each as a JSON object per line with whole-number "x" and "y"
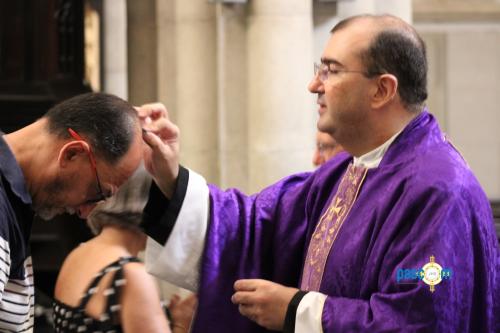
{"x": 48, "y": 210}
{"x": 46, "y": 213}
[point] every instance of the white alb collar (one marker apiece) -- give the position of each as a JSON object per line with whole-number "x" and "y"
{"x": 373, "y": 158}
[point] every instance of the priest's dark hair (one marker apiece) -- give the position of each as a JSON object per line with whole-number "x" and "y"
{"x": 106, "y": 122}
{"x": 396, "y": 49}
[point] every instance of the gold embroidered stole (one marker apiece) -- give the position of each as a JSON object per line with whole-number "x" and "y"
{"x": 329, "y": 225}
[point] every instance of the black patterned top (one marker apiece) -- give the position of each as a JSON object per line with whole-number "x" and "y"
{"x": 74, "y": 319}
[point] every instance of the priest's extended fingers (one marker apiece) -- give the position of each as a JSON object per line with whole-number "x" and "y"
{"x": 243, "y": 297}
{"x": 158, "y": 110}
{"x": 151, "y": 110}
{"x": 164, "y": 128}
{"x": 246, "y": 284}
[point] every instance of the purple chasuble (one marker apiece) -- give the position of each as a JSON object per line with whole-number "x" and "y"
{"x": 421, "y": 201}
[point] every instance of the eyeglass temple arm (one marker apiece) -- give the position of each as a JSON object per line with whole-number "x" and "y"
{"x": 77, "y": 136}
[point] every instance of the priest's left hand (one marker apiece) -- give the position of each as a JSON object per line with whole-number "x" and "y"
{"x": 263, "y": 302}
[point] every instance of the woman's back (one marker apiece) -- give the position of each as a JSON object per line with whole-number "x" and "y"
{"x": 124, "y": 297}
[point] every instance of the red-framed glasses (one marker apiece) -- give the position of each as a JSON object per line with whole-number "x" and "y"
{"x": 100, "y": 193}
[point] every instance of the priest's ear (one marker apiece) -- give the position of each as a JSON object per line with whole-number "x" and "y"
{"x": 386, "y": 89}
{"x": 72, "y": 151}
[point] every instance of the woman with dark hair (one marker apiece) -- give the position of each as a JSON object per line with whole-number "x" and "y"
{"x": 102, "y": 285}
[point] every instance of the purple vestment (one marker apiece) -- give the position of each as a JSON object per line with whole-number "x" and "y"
{"x": 421, "y": 201}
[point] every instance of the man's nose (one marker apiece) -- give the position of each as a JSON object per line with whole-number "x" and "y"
{"x": 83, "y": 211}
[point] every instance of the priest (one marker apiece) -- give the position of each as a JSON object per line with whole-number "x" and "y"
{"x": 393, "y": 235}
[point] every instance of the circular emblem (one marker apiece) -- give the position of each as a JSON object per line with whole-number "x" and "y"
{"x": 432, "y": 273}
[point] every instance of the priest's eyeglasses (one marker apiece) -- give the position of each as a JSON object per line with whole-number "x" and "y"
{"x": 326, "y": 70}
{"x": 100, "y": 194}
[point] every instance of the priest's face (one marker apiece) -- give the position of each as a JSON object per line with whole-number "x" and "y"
{"x": 342, "y": 87}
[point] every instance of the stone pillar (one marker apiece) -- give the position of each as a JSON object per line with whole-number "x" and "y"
{"x": 166, "y": 52}
{"x": 232, "y": 95}
{"x": 281, "y": 113}
{"x": 324, "y": 18}
{"x": 400, "y": 8}
{"x": 464, "y": 96}
{"x": 142, "y": 51}
{"x": 356, "y": 7}
{"x": 196, "y": 85}
{"x": 437, "y": 55}
{"x": 115, "y": 52}
{"x": 473, "y": 96}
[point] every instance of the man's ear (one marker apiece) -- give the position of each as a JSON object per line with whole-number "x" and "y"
{"x": 71, "y": 152}
{"x": 386, "y": 90}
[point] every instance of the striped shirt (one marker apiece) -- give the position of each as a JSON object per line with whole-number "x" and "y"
{"x": 16, "y": 272}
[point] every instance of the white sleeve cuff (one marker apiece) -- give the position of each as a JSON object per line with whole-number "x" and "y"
{"x": 178, "y": 262}
{"x": 309, "y": 313}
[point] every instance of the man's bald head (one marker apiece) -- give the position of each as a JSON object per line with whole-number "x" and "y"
{"x": 397, "y": 49}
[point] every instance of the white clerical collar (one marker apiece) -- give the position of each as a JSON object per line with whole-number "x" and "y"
{"x": 373, "y": 158}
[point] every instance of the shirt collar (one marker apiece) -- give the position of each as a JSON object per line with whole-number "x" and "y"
{"x": 373, "y": 158}
{"x": 12, "y": 172}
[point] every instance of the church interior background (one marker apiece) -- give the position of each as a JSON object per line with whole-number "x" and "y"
{"x": 233, "y": 74}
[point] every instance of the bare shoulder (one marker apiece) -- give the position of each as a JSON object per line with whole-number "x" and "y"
{"x": 136, "y": 275}
{"x": 139, "y": 285}
{"x": 72, "y": 278}
{"x": 141, "y": 307}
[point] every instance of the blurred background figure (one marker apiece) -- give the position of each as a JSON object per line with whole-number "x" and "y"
{"x": 326, "y": 148}
{"x": 102, "y": 284}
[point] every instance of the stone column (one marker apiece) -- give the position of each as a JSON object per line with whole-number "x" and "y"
{"x": 173, "y": 60}
{"x": 473, "y": 96}
{"x": 115, "y": 52}
{"x": 166, "y": 52}
{"x": 232, "y": 95}
{"x": 463, "y": 48}
{"x": 281, "y": 116}
{"x": 142, "y": 51}
{"x": 400, "y": 8}
{"x": 350, "y": 8}
{"x": 196, "y": 85}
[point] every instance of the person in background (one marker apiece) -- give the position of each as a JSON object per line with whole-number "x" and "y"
{"x": 103, "y": 286}
{"x": 326, "y": 148}
{"x": 76, "y": 155}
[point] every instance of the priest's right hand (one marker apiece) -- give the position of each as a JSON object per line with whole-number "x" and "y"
{"x": 262, "y": 301}
{"x": 161, "y": 154}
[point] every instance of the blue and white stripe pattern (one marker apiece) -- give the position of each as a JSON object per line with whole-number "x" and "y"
{"x": 16, "y": 295}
